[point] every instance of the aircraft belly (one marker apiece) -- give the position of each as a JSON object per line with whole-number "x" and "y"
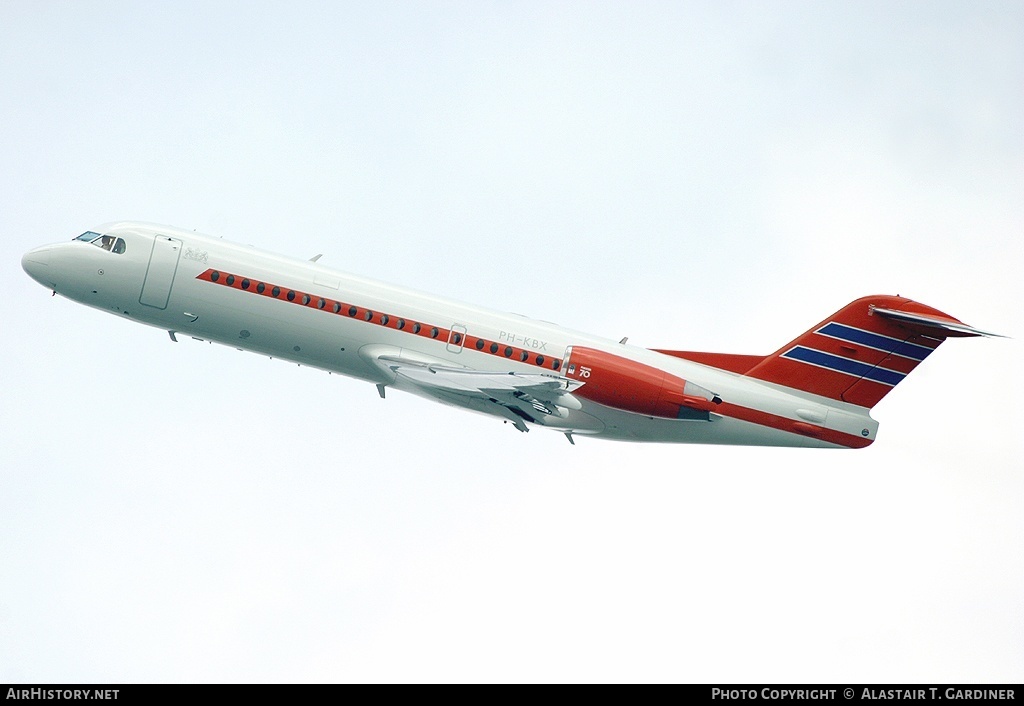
{"x": 625, "y": 426}
{"x": 578, "y": 422}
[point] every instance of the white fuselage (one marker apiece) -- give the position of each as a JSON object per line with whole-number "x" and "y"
{"x": 178, "y": 281}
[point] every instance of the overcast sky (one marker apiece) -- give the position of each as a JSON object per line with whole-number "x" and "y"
{"x": 710, "y": 176}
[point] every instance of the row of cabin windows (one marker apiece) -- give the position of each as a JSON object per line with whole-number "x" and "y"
{"x": 384, "y": 319}
{"x": 321, "y": 303}
{"x": 509, "y": 351}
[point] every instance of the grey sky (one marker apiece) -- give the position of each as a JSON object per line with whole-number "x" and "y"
{"x": 713, "y": 176}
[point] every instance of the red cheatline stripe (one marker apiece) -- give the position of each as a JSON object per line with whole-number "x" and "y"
{"x": 793, "y": 426}
{"x": 348, "y": 310}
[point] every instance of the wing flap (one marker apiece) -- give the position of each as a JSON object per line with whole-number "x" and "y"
{"x": 518, "y": 397}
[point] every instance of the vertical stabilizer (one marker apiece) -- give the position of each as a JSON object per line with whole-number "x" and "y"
{"x": 861, "y": 352}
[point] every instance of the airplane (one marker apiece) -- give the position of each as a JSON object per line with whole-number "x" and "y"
{"x": 815, "y": 391}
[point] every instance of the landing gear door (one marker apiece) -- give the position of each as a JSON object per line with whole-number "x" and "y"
{"x": 163, "y": 263}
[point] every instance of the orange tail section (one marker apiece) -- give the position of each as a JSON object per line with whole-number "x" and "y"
{"x": 856, "y": 355}
{"x": 861, "y": 352}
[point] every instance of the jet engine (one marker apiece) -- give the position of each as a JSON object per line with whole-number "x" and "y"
{"x": 625, "y": 384}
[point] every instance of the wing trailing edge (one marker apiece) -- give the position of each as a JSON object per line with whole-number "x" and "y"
{"x": 539, "y": 398}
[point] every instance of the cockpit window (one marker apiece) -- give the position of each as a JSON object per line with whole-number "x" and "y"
{"x": 108, "y": 242}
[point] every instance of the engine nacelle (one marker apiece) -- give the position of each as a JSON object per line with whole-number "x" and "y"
{"x": 625, "y": 384}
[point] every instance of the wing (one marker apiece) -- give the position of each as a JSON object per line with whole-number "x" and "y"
{"x": 539, "y": 398}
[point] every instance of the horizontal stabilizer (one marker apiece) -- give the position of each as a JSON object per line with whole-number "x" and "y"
{"x": 948, "y": 326}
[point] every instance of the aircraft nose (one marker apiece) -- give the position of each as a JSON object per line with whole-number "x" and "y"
{"x": 37, "y": 264}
